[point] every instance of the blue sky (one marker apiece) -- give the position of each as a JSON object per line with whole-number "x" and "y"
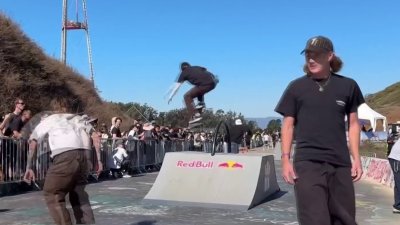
{"x": 252, "y": 45}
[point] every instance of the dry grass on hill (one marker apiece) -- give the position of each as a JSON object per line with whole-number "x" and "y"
{"x": 26, "y": 72}
{"x": 387, "y": 102}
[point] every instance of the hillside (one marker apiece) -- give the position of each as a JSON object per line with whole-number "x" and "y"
{"x": 26, "y": 72}
{"x": 387, "y": 102}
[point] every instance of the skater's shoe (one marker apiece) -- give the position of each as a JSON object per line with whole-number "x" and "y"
{"x": 200, "y": 105}
{"x": 195, "y": 118}
{"x": 395, "y": 210}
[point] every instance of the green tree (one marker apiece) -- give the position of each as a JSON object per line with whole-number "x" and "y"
{"x": 274, "y": 125}
{"x": 253, "y": 126}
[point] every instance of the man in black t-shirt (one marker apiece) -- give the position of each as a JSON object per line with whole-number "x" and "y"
{"x": 15, "y": 126}
{"x": 314, "y": 107}
{"x": 237, "y": 133}
{"x": 203, "y": 82}
{"x": 19, "y": 107}
{"x": 115, "y": 131}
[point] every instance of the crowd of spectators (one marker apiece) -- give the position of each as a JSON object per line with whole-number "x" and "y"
{"x": 114, "y": 140}
{"x": 14, "y": 148}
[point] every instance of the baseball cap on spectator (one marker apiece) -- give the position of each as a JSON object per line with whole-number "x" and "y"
{"x": 238, "y": 122}
{"x": 318, "y": 43}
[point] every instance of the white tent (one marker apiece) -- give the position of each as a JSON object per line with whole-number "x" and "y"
{"x": 366, "y": 113}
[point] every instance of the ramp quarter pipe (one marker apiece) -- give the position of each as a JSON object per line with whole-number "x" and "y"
{"x": 219, "y": 181}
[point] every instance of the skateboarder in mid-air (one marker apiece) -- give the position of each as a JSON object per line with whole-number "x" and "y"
{"x": 203, "y": 82}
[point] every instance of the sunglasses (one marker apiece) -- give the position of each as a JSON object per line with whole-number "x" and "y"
{"x": 22, "y": 103}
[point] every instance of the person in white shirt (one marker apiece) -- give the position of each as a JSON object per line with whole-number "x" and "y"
{"x": 116, "y": 159}
{"x": 266, "y": 139}
{"x": 69, "y": 138}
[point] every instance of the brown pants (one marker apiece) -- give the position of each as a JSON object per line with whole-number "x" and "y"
{"x": 196, "y": 91}
{"x": 68, "y": 175}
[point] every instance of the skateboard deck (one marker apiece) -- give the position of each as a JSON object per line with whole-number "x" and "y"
{"x": 193, "y": 125}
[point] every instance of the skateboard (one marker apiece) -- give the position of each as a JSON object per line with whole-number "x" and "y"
{"x": 193, "y": 125}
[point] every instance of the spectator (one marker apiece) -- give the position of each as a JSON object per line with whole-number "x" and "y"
{"x": 147, "y": 133}
{"x": 15, "y": 126}
{"x": 238, "y": 134}
{"x": 115, "y": 130}
{"x": 133, "y": 133}
{"x": 181, "y": 134}
{"x": 157, "y": 133}
{"x": 197, "y": 142}
{"x": 12, "y": 124}
{"x": 266, "y": 139}
{"x": 16, "y": 150}
{"x": 19, "y": 107}
{"x": 173, "y": 134}
{"x": 165, "y": 133}
{"x": 104, "y": 131}
{"x": 118, "y": 160}
{"x": 94, "y": 156}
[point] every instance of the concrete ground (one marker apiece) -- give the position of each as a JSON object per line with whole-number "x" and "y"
{"x": 120, "y": 202}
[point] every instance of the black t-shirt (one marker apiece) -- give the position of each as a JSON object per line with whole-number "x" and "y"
{"x": 237, "y": 133}
{"x": 196, "y": 75}
{"x": 116, "y": 131}
{"x": 320, "y": 117}
{"x": 15, "y": 124}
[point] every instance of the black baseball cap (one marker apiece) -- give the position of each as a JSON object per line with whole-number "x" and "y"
{"x": 318, "y": 43}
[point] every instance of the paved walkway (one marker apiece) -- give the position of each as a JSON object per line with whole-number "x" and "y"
{"x": 120, "y": 202}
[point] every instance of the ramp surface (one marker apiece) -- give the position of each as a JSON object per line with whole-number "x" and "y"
{"x": 220, "y": 181}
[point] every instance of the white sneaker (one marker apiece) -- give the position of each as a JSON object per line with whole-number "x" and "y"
{"x": 126, "y": 175}
{"x": 395, "y": 210}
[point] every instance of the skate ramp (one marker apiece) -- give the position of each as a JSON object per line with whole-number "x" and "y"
{"x": 221, "y": 181}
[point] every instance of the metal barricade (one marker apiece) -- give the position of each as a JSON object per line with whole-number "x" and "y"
{"x": 141, "y": 156}
{"x": 207, "y": 146}
{"x": 12, "y": 159}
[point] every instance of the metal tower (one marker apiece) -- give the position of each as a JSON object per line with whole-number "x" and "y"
{"x": 68, "y": 25}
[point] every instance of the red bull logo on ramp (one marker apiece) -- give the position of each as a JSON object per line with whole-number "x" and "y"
{"x": 230, "y": 165}
{"x": 195, "y": 164}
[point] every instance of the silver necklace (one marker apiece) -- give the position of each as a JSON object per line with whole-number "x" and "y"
{"x": 323, "y": 85}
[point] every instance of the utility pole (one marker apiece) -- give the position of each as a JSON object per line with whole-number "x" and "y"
{"x": 68, "y": 25}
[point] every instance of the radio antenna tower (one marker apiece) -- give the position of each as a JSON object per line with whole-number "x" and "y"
{"x": 68, "y": 25}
